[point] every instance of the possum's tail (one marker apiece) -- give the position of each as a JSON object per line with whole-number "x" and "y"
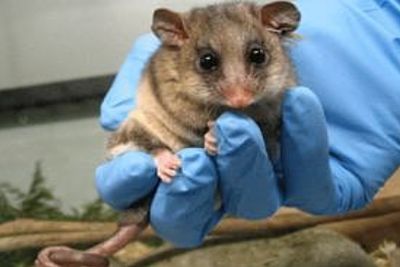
{"x": 93, "y": 257}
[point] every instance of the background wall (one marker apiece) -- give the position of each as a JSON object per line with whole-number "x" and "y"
{"x": 69, "y": 152}
{"x": 51, "y": 40}
{"x": 43, "y": 41}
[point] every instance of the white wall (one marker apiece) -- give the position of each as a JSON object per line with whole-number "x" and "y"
{"x": 51, "y": 40}
{"x": 69, "y": 152}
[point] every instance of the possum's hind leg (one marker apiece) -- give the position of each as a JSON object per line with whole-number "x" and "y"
{"x": 133, "y": 136}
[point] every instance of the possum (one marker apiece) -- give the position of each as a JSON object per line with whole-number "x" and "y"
{"x": 222, "y": 57}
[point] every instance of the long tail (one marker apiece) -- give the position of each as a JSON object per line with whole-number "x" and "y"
{"x": 93, "y": 257}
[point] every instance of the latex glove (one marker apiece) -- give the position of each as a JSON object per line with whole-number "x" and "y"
{"x": 126, "y": 179}
{"x": 120, "y": 99}
{"x": 351, "y": 62}
{"x": 184, "y": 211}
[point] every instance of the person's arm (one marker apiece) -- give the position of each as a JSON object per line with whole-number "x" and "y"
{"x": 351, "y": 62}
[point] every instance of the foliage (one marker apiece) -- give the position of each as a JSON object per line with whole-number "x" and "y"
{"x": 21, "y": 258}
{"x": 40, "y": 203}
{"x": 94, "y": 211}
{"x": 7, "y": 210}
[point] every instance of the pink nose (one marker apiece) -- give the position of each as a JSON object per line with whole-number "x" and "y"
{"x": 238, "y": 98}
{"x": 239, "y": 102}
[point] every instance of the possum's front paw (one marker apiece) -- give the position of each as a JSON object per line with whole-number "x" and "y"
{"x": 210, "y": 141}
{"x": 167, "y": 164}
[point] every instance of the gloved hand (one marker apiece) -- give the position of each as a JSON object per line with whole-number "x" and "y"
{"x": 320, "y": 175}
{"x": 351, "y": 62}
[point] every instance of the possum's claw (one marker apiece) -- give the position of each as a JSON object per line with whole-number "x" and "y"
{"x": 167, "y": 165}
{"x": 210, "y": 141}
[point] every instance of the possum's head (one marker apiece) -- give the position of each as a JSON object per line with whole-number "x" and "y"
{"x": 230, "y": 54}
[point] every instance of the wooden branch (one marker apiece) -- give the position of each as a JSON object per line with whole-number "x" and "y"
{"x": 30, "y": 226}
{"x": 292, "y": 221}
{"x": 382, "y": 212}
{"x": 370, "y": 232}
{"x": 27, "y": 233}
{"x": 38, "y": 240}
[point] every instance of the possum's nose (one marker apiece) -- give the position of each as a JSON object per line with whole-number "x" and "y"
{"x": 238, "y": 97}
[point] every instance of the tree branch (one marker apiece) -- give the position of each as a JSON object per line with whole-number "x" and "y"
{"x": 380, "y": 220}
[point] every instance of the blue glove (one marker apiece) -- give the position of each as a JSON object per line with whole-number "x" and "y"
{"x": 126, "y": 179}
{"x": 184, "y": 212}
{"x": 349, "y": 56}
{"x": 247, "y": 181}
{"x": 120, "y": 99}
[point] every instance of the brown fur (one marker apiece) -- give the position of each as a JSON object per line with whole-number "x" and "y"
{"x": 175, "y": 100}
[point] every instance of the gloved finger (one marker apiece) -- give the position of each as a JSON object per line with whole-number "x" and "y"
{"x": 308, "y": 183}
{"x": 183, "y": 212}
{"x": 126, "y": 179}
{"x": 120, "y": 99}
{"x": 248, "y": 183}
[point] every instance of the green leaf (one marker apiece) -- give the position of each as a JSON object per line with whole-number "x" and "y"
{"x": 39, "y": 201}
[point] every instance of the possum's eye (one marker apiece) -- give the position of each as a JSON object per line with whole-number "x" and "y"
{"x": 208, "y": 61}
{"x": 256, "y": 55}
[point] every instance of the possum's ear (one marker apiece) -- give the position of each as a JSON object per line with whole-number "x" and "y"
{"x": 281, "y": 17}
{"x": 169, "y": 27}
